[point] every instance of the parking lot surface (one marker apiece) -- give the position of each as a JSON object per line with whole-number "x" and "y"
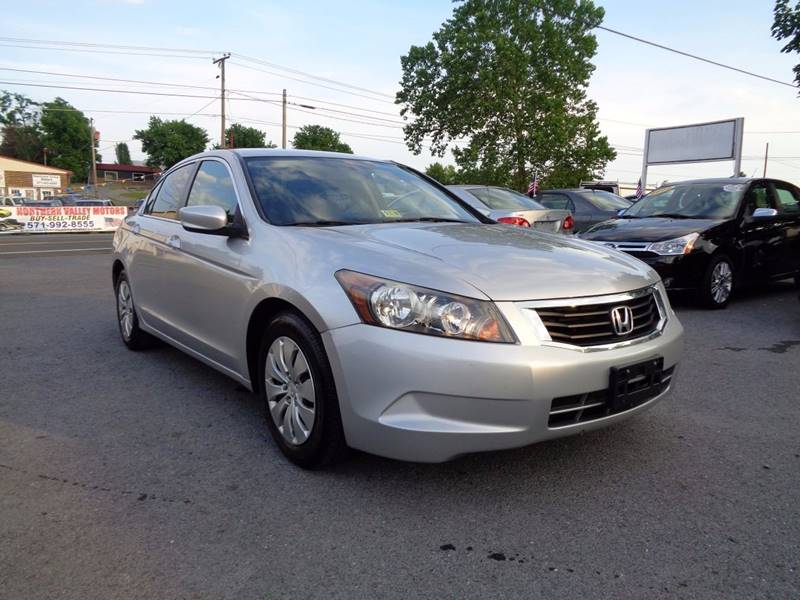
{"x": 149, "y": 475}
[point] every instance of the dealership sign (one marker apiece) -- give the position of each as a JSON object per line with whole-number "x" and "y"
{"x": 46, "y": 181}
{"x": 49, "y": 219}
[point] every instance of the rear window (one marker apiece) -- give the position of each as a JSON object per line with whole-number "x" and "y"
{"x": 504, "y": 199}
{"x": 604, "y": 200}
{"x": 559, "y": 201}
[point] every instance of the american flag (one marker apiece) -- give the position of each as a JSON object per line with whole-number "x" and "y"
{"x": 534, "y": 186}
{"x": 639, "y": 189}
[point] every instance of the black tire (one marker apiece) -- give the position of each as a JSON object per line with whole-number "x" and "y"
{"x": 325, "y": 443}
{"x": 719, "y": 269}
{"x": 137, "y": 339}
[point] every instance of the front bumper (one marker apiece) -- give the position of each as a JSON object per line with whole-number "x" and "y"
{"x": 427, "y": 399}
{"x": 679, "y": 273}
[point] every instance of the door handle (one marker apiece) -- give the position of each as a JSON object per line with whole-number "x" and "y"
{"x": 174, "y": 242}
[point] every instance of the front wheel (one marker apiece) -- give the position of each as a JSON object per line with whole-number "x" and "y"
{"x": 718, "y": 283}
{"x": 299, "y": 393}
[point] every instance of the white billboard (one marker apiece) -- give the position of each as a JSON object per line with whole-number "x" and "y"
{"x": 51, "y": 219}
{"x": 46, "y": 181}
{"x": 701, "y": 142}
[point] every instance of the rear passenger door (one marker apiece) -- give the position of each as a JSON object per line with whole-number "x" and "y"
{"x": 787, "y": 203}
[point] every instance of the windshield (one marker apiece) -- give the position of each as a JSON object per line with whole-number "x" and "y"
{"x": 604, "y": 200}
{"x": 691, "y": 201}
{"x": 504, "y": 199}
{"x": 301, "y": 190}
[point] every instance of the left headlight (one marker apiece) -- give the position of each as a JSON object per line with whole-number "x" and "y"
{"x": 396, "y": 305}
{"x": 681, "y": 245}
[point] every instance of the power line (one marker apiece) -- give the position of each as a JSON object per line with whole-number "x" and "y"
{"x": 95, "y": 45}
{"x": 311, "y": 75}
{"x": 137, "y": 81}
{"x": 92, "y": 51}
{"x": 327, "y": 87}
{"x": 695, "y": 57}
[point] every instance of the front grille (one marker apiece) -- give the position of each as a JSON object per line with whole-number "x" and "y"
{"x": 569, "y": 410}
{"x": 591, "y": 324}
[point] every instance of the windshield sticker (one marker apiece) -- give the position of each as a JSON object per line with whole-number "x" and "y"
{"x": 391, "y": 213}
{"x": 737, "y": 187}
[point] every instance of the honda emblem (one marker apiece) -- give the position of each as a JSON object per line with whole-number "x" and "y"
{"x": 622, "y": 320}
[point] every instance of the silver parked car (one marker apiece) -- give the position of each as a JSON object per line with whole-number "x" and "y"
{"x": 370, "y": 308}
{"x": 512, "y": 208}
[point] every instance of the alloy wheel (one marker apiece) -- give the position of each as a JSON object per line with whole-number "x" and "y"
{"x": 291, "y": 397}
{"x": 721, "y": 282}
{"x": 125, "y": 308}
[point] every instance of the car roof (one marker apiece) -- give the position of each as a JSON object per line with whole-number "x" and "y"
{"x": 259, "y": 152}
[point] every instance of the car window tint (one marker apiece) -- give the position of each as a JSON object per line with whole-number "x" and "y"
{"x": 757, "y": 197}
{"x": 787, "y": 200}
{"x": 170, "y": 196}
{"x": 604, "y": 201}
{"x": 299, "y": 190}
{"x": 505, "y": 199}
{"x": 554, "y": 201}
{"x": 213, "y": 186}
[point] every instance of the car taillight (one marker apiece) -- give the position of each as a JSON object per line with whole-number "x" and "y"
{"x": 519, "y": 221}
{"x": 569, "y": 223}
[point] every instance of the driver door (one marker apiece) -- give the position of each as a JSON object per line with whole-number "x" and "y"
{"x": 762, "y": 237}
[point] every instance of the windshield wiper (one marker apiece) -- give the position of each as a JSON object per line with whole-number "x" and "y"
{"x": 672, "y": 216}
{"x": 326, "y": 223}
{"x": 427, "y": 220}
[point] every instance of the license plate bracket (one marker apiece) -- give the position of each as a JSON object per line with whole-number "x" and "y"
{"x": 631, "y": 385}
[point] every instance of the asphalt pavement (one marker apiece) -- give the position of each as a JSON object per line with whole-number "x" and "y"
{"x": 149, "y": 475}
{"x": 53, "y": 244}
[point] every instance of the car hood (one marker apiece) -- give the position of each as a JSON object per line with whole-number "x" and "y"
{"x": 650, "y": 229}
{"x": 505, "y": 263}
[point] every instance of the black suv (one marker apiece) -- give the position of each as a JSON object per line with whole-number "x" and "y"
{"x": 711, "y": 235}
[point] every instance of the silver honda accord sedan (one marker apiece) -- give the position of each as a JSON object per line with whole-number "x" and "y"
{"x": 370, "y": 308}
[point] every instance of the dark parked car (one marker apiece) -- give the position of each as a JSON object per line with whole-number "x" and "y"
{"x": 42, "y": 203}
{"x": 587, "y": 206}
{"x": 712, "y": 235}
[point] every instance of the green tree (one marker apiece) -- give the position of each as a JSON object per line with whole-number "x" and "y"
{"x": 510, "y": 78}
{"x": 19, "y": 127}
{"x": 167, "y": 142}
{"x": 67, "y": 137}
{"x": 123, "y": 154}
{"x": 787, "y": 27}
{"x": 446, "y": 175}
{"x": 317, "y": 137}
{"x": 242, "y": 136}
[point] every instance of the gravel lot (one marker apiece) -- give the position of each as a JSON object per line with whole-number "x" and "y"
{"x": 149, "y": 475}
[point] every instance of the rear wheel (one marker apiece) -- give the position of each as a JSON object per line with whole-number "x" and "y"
{"x": 718, "y": 283}
{"x": 132, "y": 335}
{"x": 299, "y": 395}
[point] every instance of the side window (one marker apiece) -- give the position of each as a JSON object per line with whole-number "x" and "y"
{"x": 757, "y": 197}
{"x": 787, "y": 200}
{"x": 213, "y": 186}
{"x": 171, "y": 193}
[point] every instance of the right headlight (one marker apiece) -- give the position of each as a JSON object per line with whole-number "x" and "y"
{"x": 397, "y": 305}
{"x": 681, "y": 245}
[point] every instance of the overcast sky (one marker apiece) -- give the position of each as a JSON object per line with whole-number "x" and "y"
{"x": 360, "y": 44}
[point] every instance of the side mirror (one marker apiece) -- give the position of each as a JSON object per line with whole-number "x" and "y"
{"x": 761, "y": 213}
{"x": 212, "y": 220}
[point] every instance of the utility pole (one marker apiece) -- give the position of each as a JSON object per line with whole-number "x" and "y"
{"x": 221, "y": 62}
{"x": 766, "y": 156}
{"x": 94, "y": 160}
{"x": 284, "y": 120}
{"x": 45, "y": 156}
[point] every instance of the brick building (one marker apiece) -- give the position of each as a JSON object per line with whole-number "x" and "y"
{"x": 31, "y": 180}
